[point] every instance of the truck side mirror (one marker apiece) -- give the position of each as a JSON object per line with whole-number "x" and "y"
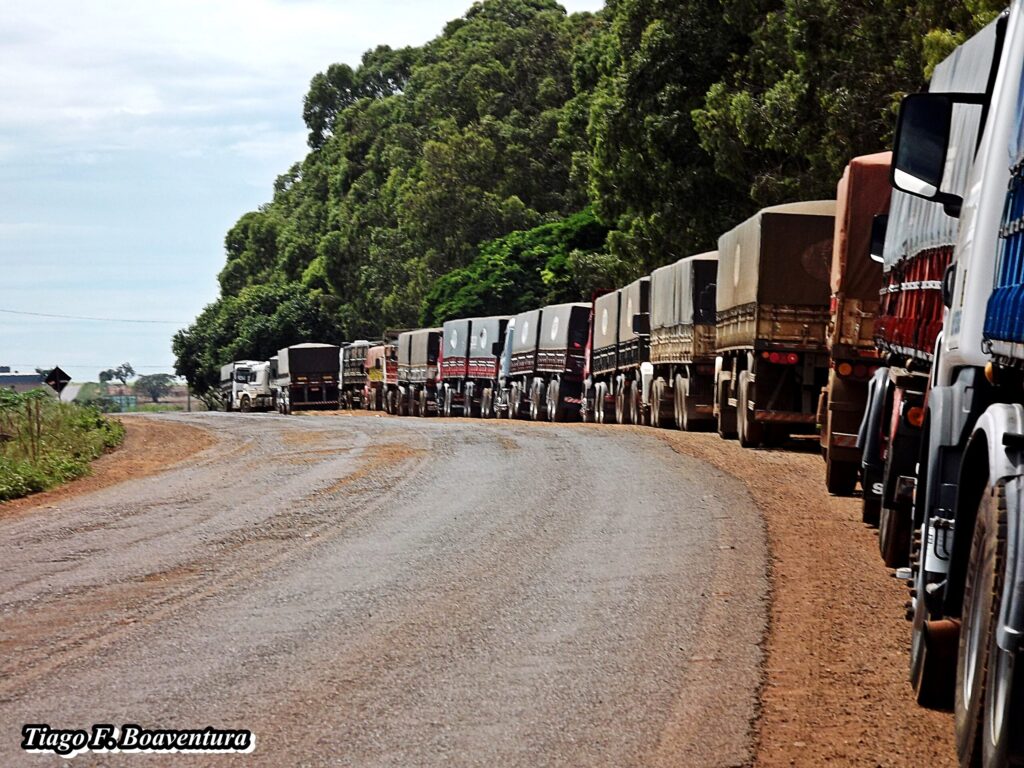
{"x": 948, "y": 283}
{"x": 642, "y": 325}
{"x": 922, "y": 145}
{"x": 879, "y": 226}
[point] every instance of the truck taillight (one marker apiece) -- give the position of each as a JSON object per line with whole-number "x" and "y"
{"x": 781, "y": 358}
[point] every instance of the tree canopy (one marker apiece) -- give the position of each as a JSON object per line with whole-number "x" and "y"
{"x": 525, "y": 156}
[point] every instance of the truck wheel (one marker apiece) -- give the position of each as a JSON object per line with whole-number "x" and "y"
{"x": 1003, "y": 741}
{"x": 636, "y": 406}
{"x": 657, "y": 387}
{"x": 622, "y": 394}
{"x": 726, "y": 415}
{"x": 894, "y": 537}
{"x": 486, "y": 403}
{"x": 535, "y": 398}
{"x": 515, "y": 397}
{"x": 979, "y": 617}
{"x": 246, "y": 404}
{"x": 554, "y": 407}
{"x": 680, "y": 402}
{"x": 751, "y": 433}
{"x": 423, "y": 403}
{"x": 472, "y": 405}
{"x": 446, "y": 409}
{"x": 600, "y": 396}
{"x": 840, "y": 477}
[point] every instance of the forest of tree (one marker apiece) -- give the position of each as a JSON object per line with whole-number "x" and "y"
{"x": 526, "y": 156}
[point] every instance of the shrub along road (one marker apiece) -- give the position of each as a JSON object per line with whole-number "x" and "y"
{"x": 378, "y": 591}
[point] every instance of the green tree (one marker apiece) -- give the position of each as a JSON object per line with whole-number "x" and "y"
{"x": 154, "y": 386}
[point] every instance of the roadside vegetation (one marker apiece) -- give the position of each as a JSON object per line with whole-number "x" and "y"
{"x": 44, "y": 443}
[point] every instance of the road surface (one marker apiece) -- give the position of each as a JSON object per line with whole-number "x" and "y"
{"x": 368, "y": 591}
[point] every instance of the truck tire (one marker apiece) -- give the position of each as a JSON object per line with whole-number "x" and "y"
{"x": 554, "y": 401}
{"x": 600, "y": 398}
{"x": 1003, "y": 740}
{"x": 635, "y": 401}
{"x": 535, "y": 399}
{"x": 979, "y": 619}
{"x": 487, "y": 403}
{"x": 423, "y": 403}
{"x": 446, "y": 409}
{"x": 894, "y": 537}
{"x": 246, "y": 404}
{"x": 680, "y": 399}
{"x": 750, "y": 432}
{"x": 657, "y": 393}
{"x": 515, "y": 398}
{"x": 726, "y": 414}
{"x": 623, "y": 391}
{"x": 840, "y": 477}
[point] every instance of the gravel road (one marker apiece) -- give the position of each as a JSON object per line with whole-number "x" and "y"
{"x": 372, "y": 591}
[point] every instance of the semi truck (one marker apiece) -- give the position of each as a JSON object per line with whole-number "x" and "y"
{"x": 909, "y": 431}
{"x": 618, "y": 356}
{"x": 247, "y": 385}
{"x": 416, "y": 376}
{"x": 967, "y": 573}
{"x": 546, "y": 361}
{"x": 772, "y": 312}
{"x": 469, "y": 365}
{"x": 307, "y": 377}
{"x": 862, "y": 196}
{"x": 683, "y": 342}
{"x": 353, "y": 373}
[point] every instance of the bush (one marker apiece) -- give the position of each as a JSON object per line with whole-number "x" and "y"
{"x": 46, "y": 442}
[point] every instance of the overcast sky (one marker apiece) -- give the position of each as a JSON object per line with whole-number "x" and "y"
{"x": 132, "y": 137}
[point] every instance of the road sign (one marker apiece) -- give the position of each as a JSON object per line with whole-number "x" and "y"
{"x": 57, "y": 380}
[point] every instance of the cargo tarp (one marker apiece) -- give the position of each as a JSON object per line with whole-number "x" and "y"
{"x": 423, "y": 346}
{"x": 486, "y": 331}
{"x": 558, "y": 323}
{"x": 780, "y": 255}
{"x": 309, "y": 358}
{"x": 606, "y": 320}
{"x": 862, "y": 194}
{"x": 456, "y": 338}
{"x": 527, "y": 326}
{"x": 916, "y": 224}
{"x": 634, "y": 299}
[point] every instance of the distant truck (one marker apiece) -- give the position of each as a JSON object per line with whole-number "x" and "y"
{"x": 416, "y": 376}
{"x": 772, "y": 307}
{"x": 248, "y": 385}
{"x": 546, "y": 361}
{"x": 307, "y": 377}
{"x": 683, "y": 342}
{"x": 353, "y": 373}
{"x": 862, "y": 196}
{"x": 380, "y": 369}
{"x": 618, "y": 355}
{"x": 469, "y": 365}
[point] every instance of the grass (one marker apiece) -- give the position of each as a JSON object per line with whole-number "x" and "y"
{"x": 44, "y": 443}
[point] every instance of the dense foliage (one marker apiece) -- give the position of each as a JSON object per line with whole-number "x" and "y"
{"x": 44, "y": 442}
{"x": 449, "y": 179}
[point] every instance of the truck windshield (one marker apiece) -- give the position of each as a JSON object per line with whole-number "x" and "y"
{"x": 242, "y": 375}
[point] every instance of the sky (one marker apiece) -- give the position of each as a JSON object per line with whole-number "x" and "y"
{"x": 132, "y": 137}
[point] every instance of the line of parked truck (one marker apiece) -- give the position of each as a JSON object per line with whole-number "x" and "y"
{"x": 890, "y": 321}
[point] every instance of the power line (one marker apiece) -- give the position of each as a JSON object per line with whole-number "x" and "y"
{"x": 93, "y": 319}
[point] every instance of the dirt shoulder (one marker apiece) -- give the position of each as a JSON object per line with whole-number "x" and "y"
{"x": 149, "y": 446}
{"x": 836, "y": 690}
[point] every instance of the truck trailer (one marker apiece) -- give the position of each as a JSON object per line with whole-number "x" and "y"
{"x": 307, "y": 377}
{"x": 379, "y": 370}
{"x": 353, "y": 373}
{"x": 862, "y": 196}
{"x": 618, "y": 356}
{"x": 683, "y": 342}
{"x": 469, "y": 365}
{"x": 416, "y": 377}
{"x": 247, "y": 385}
{"x": 546, "y": 361}
{"x": 772, "y": 307}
